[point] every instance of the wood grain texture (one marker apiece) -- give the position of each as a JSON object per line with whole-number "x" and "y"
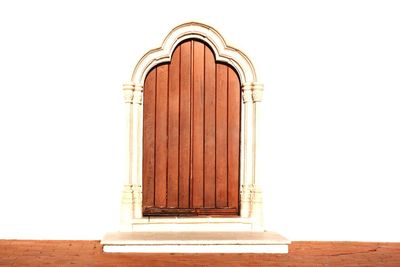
{"x": 234, "y": 101}
{"x": 209, "y": 129}
{"x": 161, "y": 155}
{"x": 184, "y": 125}
{"x": 191, "y": 139}
{"x": 221, "y": 136}
{"x": 198, "y": 124}
{"x": 173, "y": 130}
{"x": 149, "y": 110}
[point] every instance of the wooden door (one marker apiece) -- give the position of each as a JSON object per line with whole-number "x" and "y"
{"x": 191, "y": 135}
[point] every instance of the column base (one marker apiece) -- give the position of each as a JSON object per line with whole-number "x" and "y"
{"x": 131, "y": 206}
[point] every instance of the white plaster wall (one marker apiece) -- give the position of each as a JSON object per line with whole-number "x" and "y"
{"x": 331, "y": 112}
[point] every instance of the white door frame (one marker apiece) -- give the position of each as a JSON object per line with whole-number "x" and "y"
{"x": 252, "y": 90}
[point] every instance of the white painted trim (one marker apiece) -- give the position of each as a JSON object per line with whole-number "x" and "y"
{"x": 251, "y": 203}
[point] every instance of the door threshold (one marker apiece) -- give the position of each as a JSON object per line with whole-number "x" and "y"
{"x": 196, "y": 219}
{"x": 194, "y": 224}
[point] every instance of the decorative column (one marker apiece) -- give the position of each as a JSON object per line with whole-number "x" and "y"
{"x": 248, "y": 172}
{"x": 131, "y": 202}
{"x": 257, "y": 197}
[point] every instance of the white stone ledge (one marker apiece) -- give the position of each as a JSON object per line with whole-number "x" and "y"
{"x": 195, "y": 242}
{"x": 194, "y": 224}
{"x": 196, "y": 249}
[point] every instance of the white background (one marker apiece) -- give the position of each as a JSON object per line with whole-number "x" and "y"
{"x": 330, "y": 117}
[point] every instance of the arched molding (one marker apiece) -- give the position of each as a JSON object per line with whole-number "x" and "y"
{"x": 193, "y": 30}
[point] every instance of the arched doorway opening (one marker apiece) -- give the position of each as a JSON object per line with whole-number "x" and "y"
{"x": 191, "y": 135}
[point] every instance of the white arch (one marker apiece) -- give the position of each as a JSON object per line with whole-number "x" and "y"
{"x": 194, "y": 30}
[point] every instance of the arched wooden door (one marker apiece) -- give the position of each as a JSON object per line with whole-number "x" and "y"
{"x": 191, "y": 135}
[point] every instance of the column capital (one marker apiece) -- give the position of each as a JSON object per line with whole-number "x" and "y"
{"x": 132, "y": 93}
{"x": 258, "y": 90}
{"x": 252, "y": 92}
{"x": 246, "y": 92}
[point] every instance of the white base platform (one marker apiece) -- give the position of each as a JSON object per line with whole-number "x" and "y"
{"x": 190, "y": 224}
{"x": 195, "y": 242}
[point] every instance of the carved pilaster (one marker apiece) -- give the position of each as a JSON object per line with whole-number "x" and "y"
{"x": 127, "y": 90}
{"x": 245, "y": 194}
{"x": 131, "y": 202}
{"x": 257, "y": 90}
{"x": 137, "y": 145}
{"x": 251, "y": 193}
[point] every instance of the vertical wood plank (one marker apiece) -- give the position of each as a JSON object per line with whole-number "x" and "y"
{"x": 198, "y": 124}
{"x": 173, "y": 130}
{"x": 161, "y": 136}
{"x": 221, "y": 136}
{"x": 234, "y": 101}
{"x": 209, "y": 129}
{"x": 149, "y": 95}
{"x": 191, "y": 126}
{"x": 184, "y": 124}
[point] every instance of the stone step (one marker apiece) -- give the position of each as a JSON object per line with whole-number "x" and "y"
{"x": 195, "y": 242}
{"x": 192, "y": 224}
